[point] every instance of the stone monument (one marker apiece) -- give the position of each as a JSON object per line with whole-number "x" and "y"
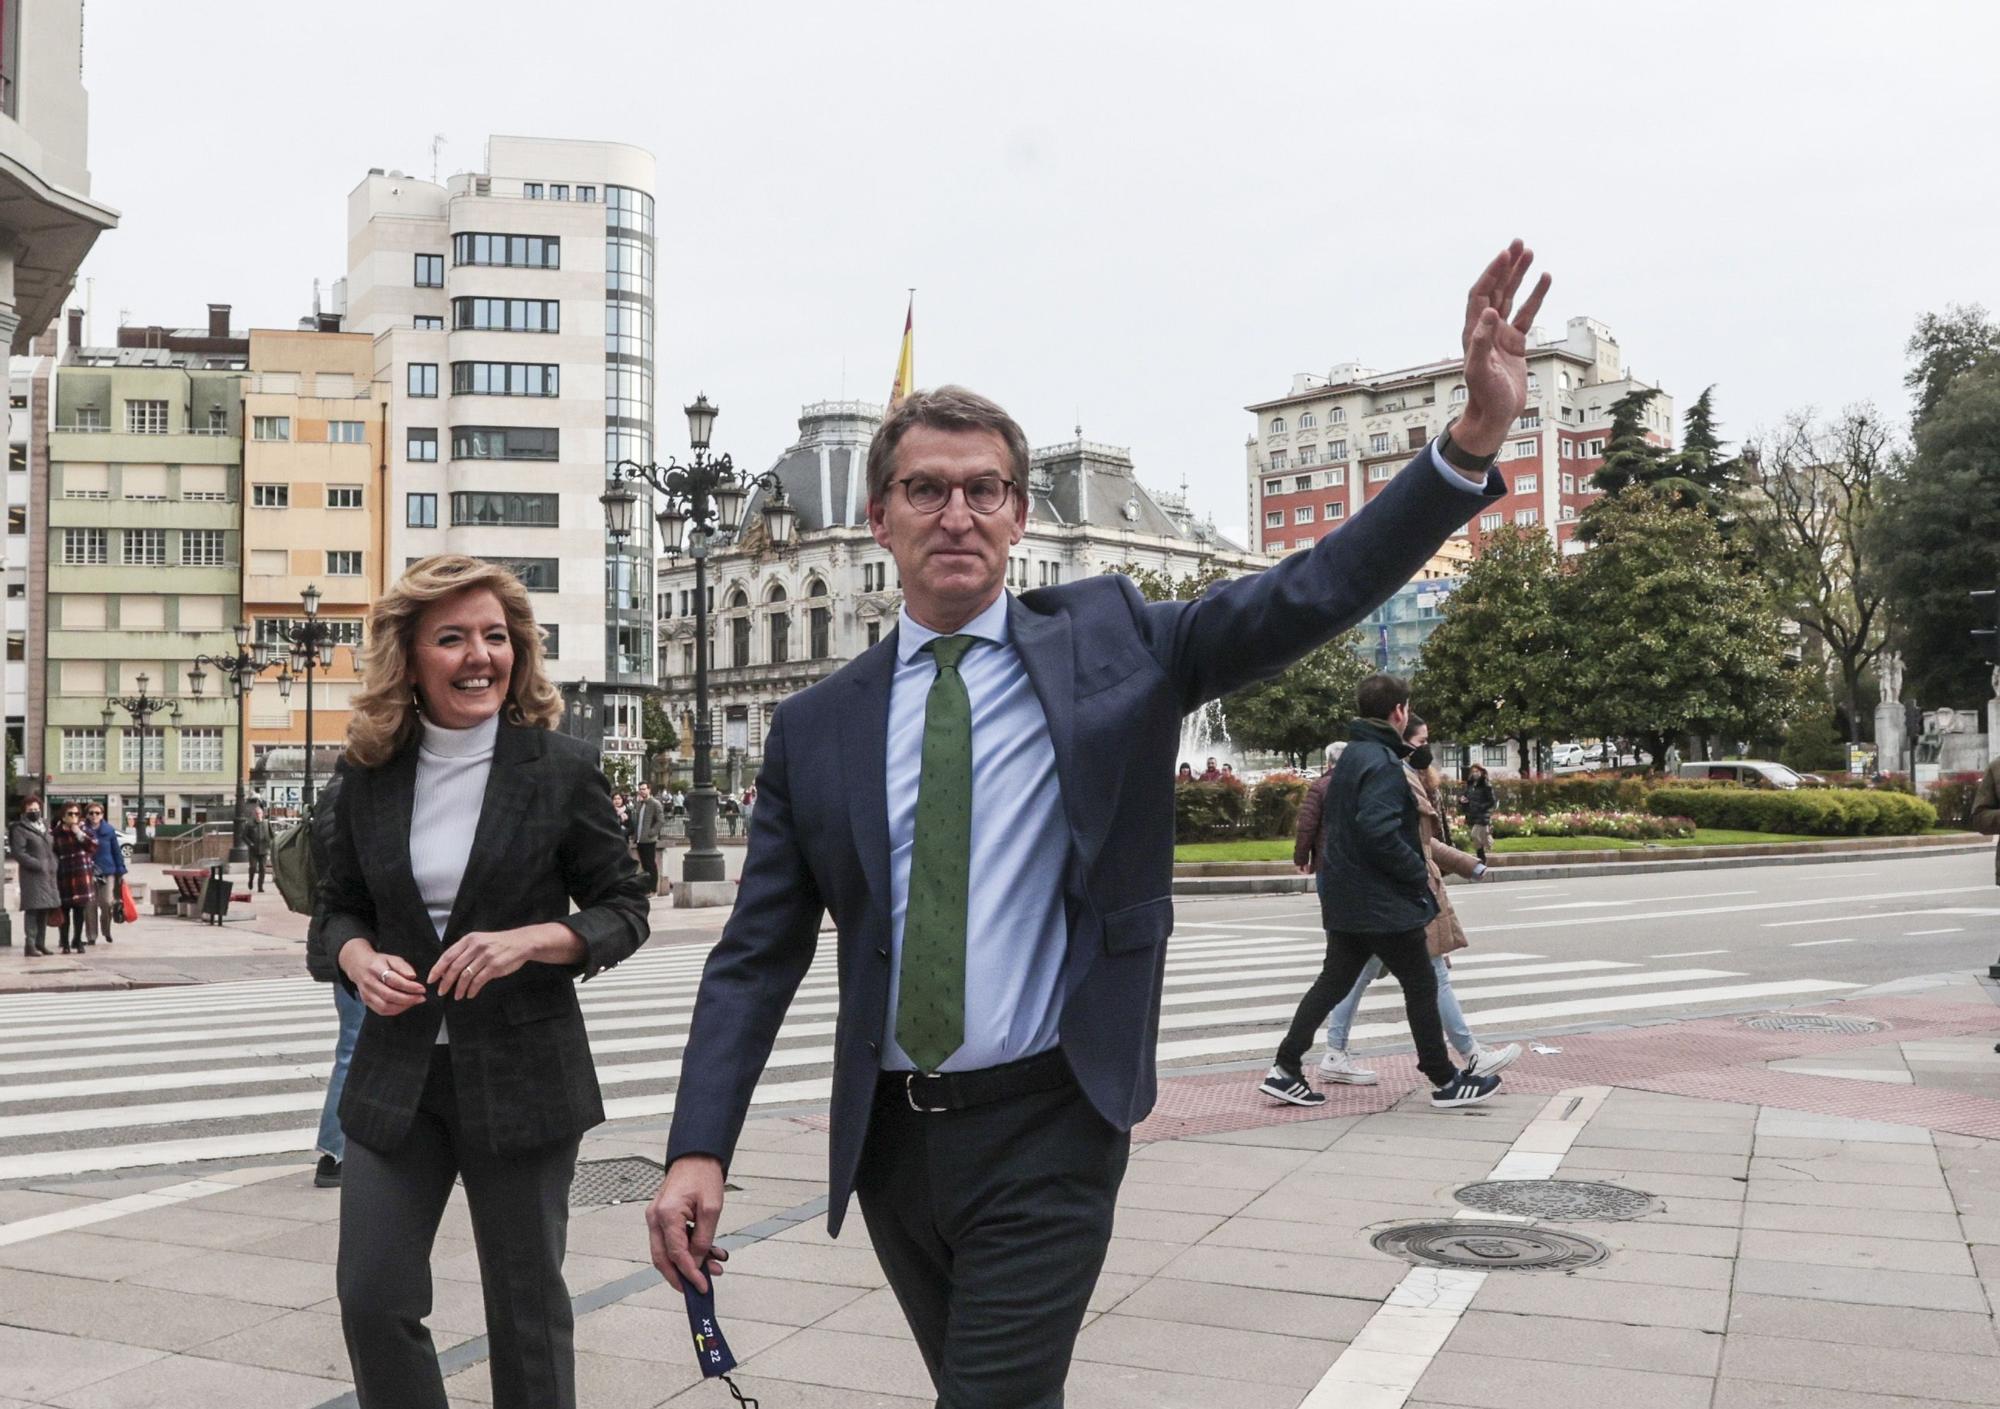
{"x": 1891, "y": 738}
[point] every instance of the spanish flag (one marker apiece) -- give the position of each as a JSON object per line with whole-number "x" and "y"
{"x": 906, "y": 366}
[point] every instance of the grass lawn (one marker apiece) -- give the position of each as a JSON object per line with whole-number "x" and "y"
{"x": 1704, "y": 836}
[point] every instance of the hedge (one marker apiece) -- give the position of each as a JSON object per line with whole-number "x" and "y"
{"x": 1274, "y": 805}
{"x": 1823, "y": 812}
{"x": 1208, "y": 811}
{"x": 1627, "y": 826}
{"x": 1597, "y": 792}
{"x": 1953, "y": 799}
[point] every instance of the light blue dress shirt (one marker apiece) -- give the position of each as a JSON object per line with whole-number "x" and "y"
{"x": 1016, "y": 930}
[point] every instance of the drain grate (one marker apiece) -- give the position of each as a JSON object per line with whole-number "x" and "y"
{"x": 1564, "y": 1200}
{"x": 1814, "y": 1022}
{"x": 1490, "y": 1246}
{"x": 614, "y": 1181}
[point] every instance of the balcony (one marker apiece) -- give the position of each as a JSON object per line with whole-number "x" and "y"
{"x": 794, "y": 674}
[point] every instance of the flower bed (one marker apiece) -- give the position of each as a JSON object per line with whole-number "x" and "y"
{"x": 1625, "y": 826}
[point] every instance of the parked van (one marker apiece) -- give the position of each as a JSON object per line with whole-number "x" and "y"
{"x": 1748, "y": 772}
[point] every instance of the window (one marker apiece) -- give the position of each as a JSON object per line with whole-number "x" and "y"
{"x": 781, "y": 637}
{"x": 586, "y": 194}
{"x": 739, "y": 641}
{"x": 1339, "y": 415}
{"x": 1522, "y": 450}
{"x": 1531, "y": 419}
{"x": 819, "y": 621}
{"x": 552, "y": 640}
{"x": 343, "y": 496}
{"x": 218, "y": 419}
{"x": 203, "y": 547}
{"x": 1563, "y": 381}
{"x": 145, "y": 418}
{"x": 1275, "y": 519}
{"x": 1457, "y": 395}
{"x": 1527, "y": 484}
{"x": 145, "y": 547}
{"x": 201, "y": 750}
{"x": 504, "y": 378}
{"x": 1303, "y": 514}
{"x": 1527, "y": 518}
{"x": 89, "y": 418}
{"x": 1335, "y": 510}
{"x": 421, "y": 446}
{"x": 155, "y": 745}
{"x": 1534, "y": 382}
{"x": 1569, "y": 512}
{"x": 496, "y": 510}
{"x": 279, "y": 630}
{"x": 1308, "y": 454}
{"x": 270, "y": 427}
{"x": 559, "y": 193}
{"x": 1302, "y": 483}
{"x": 1597, "y": 447}
{"x": 874, "y": 633}
{"x": 428, "y": 322}
{"x": 504, "y": 443}
{"x": 1378, "y": 443}
{"x": 874, "y": 577}
{"x": 84, "y": 547}
{"x": 1306, "y": 421}
{"x": 343, "y": 562}
{"x": 1277, "y": 460}
{"x": 536, "y": 574}
{"x": 1334, "y": 477}
{"x": 423, "y": 379}
{"x": 420, "y": 510}
{"x": 531, "y": 190}
{"x": 1489, "y": 522}
{"x": 347, "y": 432}
{"x": 430, "y": 271}
{"x": 1566, "y": 449}
{"x": 86, "y": 482}
{"x": 507, "y": 315}
{"x": 1274, "y": 486}
{"x": 1378, "y": 473}
{"x": 1569, "y": 484}
{"x": 1337, "y": 450}
{"x": 1277, "y": 425}
{"x": 83, "y": 750}
{"x": 270, "y": 496}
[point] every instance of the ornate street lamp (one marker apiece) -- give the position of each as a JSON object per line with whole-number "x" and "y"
{"x": 701, "y": 507}
{"x": 310, "y": 644}
{"x": 141, "y": 707}
{"x": 240, "y": 671}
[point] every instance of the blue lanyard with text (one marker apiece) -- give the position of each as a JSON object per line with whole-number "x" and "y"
{"x": 711, "y": 1350}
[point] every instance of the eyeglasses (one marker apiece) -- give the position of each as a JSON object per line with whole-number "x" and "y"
{"x": 984, "y": 495}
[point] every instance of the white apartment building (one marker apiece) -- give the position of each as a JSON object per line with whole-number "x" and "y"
{"x": 513, "y": 315}
{"x": 1322, "y": 450}
{"x": 781, "y": 619}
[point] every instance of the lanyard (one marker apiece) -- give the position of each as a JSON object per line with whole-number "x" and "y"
{"x": 711, "y": 1349}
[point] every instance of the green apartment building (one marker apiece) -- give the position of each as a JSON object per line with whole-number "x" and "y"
{"x": 144, "y": 560}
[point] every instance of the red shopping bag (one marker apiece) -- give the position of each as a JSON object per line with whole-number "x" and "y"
{"x": 129, "y": 908}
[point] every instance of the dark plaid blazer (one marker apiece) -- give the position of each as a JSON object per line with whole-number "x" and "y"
{"x": 546, "y": 835}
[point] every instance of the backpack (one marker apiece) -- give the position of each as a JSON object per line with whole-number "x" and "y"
{"x": 293, "y": 866}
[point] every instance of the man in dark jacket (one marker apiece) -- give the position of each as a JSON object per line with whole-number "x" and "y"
{"x": 332, "y": 1142}
{"x": 257, "y": 841}
{"x": 1375, "y": 900}
{"x": 1986, "y": 809}
{"x": 1479, "y": 804}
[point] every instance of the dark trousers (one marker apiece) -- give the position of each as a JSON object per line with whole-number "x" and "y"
{"x": 992, "y": 1224}
{"x": 390, "y": 1204}
{"x": 649, "y": 865}
{"x": 72, "y": 926}
{"x": 258, "y": 861}
{"x": 34, "y": 931}
{"x": 1405, "y": 955}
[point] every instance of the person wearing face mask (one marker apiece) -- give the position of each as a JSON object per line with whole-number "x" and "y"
{"x": 465, "y": 827}
{"x": 35, "y": 856}
{"x": 1479, "y": 805}
{"x": 1442, "y": 936}
{"x": 74, "y": 852}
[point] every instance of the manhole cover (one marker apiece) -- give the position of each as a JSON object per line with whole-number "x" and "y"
{"x": 1813, "y": 1022}
{"x": 614, "y": 1181}
{"x": 1490, "y": 1246}
{"x": 1564, "y": 1200}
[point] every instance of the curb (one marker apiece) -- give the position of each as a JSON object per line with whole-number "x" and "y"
{"x": 1291, "y": 883}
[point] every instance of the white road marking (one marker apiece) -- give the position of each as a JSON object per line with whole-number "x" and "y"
{"x": 1809, "y": 943}
{"x": 1955, "y": 929}
{"x": 1688, "y": 954}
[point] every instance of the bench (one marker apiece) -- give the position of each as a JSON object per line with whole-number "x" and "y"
{"x": 187, "y": 893}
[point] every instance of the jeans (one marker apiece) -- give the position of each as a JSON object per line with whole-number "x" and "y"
{"x": 332, "y": 1139}
{"x": 1406, "y": 955}
{"x": 1453, "y": 1016}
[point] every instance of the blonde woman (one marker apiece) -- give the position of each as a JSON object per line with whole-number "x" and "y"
{"x": 465, "y": 830}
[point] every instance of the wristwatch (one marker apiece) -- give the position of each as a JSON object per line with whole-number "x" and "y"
{"x": 1463, "y": 460}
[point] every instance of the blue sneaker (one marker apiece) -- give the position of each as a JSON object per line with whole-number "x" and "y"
{"x": 1464, "y": 1089}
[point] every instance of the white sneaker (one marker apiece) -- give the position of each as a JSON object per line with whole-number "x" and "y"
{"x": 1337, "y": 1066}
{"x": 1488, "y": 1060}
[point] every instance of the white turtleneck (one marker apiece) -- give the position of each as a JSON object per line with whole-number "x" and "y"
{"x": 452, "y": 765}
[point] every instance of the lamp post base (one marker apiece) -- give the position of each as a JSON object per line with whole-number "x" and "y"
{"x": 703, "y": 864}
{"x": 696, "y": 895}
{"x": 239, "y": 855}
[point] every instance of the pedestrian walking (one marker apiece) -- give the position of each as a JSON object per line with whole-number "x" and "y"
{"x": 74, "y": 874}
{"x": 1479, "y": 804}
{"x": 464, "y": 827}
{"x": 108, "y": 867}
{"x": 331, "y": 1146}
{"x": 35, "y": 859}
{"x": 984, "y": 803}
{"x": 1986, "y": 810}
{"x": 1376, "y": 900}
{"x": 257, "y": 838}
{"x": 1443, "y": 936}
{"x": 649, "y": 824}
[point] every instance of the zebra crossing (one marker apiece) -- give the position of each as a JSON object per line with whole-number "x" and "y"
{"x": 108, "y": 1081}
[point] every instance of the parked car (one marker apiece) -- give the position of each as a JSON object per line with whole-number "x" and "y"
{"x": 1747, "y": 772}
{"x": 1566, "y": 756}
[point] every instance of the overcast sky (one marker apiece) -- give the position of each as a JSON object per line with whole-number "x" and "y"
{"x": 1138, "y": 217}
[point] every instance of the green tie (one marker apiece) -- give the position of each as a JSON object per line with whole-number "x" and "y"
{"x": 930, "y": 1012}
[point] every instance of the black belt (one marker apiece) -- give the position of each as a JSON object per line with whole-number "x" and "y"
{"x": 958, "y": 1090}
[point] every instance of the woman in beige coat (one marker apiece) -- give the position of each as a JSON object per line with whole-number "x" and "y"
{"x": 1444, "y": 933}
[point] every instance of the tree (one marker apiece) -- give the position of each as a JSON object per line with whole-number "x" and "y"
{"x": 1938, "y": 536}
{"x": 1670, "y": 637}
{"x": 1629, "y": 458}
{"x": 1301, "y": 711}
{"x": 1156, "y": 585}
{"x": 1814, "y": 491}
{"x": 660, "y": 736}
{"x": 1497, "y": 665}
{"x": 1701, "y": 474}
{"x": 1943, "y": 348}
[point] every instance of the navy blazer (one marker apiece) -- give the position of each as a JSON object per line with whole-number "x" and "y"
{"x": 1115, "y": 675}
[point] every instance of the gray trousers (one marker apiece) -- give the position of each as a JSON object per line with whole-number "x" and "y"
{"x": 390, "y": 1205}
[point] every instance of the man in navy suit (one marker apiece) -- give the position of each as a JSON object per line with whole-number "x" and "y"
{"x": 992, "y": 830}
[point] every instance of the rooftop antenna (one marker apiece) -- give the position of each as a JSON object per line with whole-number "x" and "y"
{"x": 437, "y": 142}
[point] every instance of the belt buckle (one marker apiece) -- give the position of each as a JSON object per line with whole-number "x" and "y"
{"x": 910, "y": 1090}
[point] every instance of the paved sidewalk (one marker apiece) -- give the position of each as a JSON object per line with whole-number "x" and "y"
{"x": 1826, "y": 1232}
